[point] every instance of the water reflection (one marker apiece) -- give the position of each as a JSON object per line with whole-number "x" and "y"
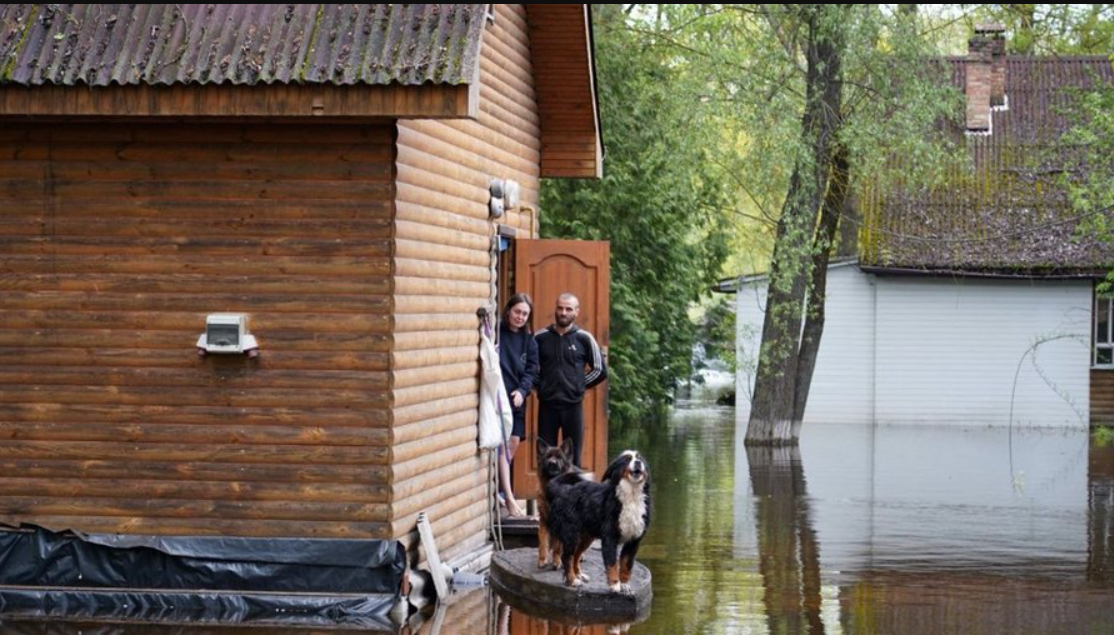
{"x": 789, "y": 555}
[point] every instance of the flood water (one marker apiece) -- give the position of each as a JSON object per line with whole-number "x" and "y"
{"x": 863, "y": 530}
{"x": 871, "y": 530}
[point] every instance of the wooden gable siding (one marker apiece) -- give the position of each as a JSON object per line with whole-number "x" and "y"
{"x": 560, "y": 36}
{"x": 442, "y": 275}
{"x": 115, "y": 242}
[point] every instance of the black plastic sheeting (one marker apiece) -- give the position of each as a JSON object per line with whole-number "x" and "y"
{"x": 199, "y": 579}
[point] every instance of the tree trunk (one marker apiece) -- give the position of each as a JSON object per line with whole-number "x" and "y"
{"x": 835, "y": 200}
{"x": 773, "y": 417}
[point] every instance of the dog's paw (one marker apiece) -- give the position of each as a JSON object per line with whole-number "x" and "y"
{"x": 584, "y": 577}
{"x": 576, "y": 582}
{"x": 615, "y": 588}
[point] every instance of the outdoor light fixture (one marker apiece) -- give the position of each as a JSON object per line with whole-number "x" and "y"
{"x": 227, "y": 333}
{"x": 495, "y": 205}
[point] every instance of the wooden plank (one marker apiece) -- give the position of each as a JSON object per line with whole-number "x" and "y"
{"x": 411, "y": 488}
{"x": 194, "y": 321}
{"x": 184, "y": 337}
{"x": 115, "y": 166}
{"x": 50, "y": 468}
{"x": 436, "y": 491}
{"x": 192, "y": 490}
{"x": 329, "y": 416}
{"x": 165, "y": 452}
{"x": 433, "y": 304}
{"x": 115, "y": 283}
{"x": 463, "y": 435}
{"x": 433, "y": 408}
{"x": 224, "y": 152}
{"x": 429, "y": 375}
{"x": 200, "y": 210}
{"x": 46, "y": 302}
{"x": 97, "y": 358}
{"x": 35, "y": 506}
{"x": 445, "y": 142}
{"x": 197, "y": 190}
{"x": 231, "y": 228}
{"x": 489, "y": 148}
{"x": 436, "y": 356}
{"x": 410, "y": 267}
{"x": 407, "y": 396}
{"x": 401, "y": 471}
{"x": 235, "y": 397}
{"x": 232, "y": 266}
{"x": 431, "y": 322}
{"x": 436, "y": 253}
{"x": 465, "y": 419}
{"x": 440, "y": 236}
{"x": 142, "y": 246}
{"x": 464, "y": 505}
{"x": 223, "y": 434}
{"x": 430, "y": 545}
{"x": 412, "y": 212}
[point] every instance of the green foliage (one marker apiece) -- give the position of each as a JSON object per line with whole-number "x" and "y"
{"x": 1090, "y": 175}
{"x": 1091, "y": 185}
{"x": 717, "y": 330}
{"x": 1103, "y": 436}
{"x": 661, "y": 204}
{"x": 1048, "y": 29}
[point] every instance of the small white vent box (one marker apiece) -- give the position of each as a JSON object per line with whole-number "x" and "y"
{"x": 226, "y": 333}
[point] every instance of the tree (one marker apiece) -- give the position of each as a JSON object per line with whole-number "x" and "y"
{"x": 1050, "y": 29}
{"x": 788, "y": 347}
{"x": 660, "y": 203}
{"x": 827, "y": 96}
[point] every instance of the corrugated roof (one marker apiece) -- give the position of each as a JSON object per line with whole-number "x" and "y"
{"x": 1010, "y": 214}
{"x": 164, "y": 44}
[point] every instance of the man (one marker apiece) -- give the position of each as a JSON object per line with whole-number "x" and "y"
{"x": 570, "y": 363}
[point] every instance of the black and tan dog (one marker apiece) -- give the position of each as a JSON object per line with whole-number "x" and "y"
{"x": 553, "y": 462}
{"x": 615, "y": 510}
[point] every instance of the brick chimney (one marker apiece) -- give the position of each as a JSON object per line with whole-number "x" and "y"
{"x": 986, "y": 74}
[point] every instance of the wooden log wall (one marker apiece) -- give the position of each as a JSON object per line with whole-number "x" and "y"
{"x": 116, "y": 240}
{"x": 1102, "y": 397}
{"x": 442, "y": 275}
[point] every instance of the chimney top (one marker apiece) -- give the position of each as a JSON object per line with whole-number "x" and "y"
{"x": 990, "y": 28}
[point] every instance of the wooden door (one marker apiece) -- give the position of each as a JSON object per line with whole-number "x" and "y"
{"x": 545, "y": 269}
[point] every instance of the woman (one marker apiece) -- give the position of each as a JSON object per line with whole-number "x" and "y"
{"x": 518, "y": 360}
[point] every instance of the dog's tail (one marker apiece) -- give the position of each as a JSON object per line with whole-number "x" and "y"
{"x": 574, "y": 477}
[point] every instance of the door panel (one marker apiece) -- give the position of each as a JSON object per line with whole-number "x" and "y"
{"x": 546, "y": 269}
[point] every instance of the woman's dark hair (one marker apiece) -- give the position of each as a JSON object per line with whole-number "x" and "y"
{"x": 520, "y": 298}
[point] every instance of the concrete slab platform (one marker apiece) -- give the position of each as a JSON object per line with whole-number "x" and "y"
{"x": 515, "y": 575}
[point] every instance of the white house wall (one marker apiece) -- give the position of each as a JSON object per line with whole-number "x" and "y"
{"x": 948, "y": 351}
{"x": 843, "y": 383}
{"x": 905, "y": 350}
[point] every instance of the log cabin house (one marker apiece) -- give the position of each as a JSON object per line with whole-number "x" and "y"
{"x": 323, "y": 170}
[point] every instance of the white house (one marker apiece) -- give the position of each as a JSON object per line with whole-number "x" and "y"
{"x": 939, "y": 350}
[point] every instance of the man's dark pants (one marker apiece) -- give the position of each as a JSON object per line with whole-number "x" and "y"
{"x": 568, "y": 418}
